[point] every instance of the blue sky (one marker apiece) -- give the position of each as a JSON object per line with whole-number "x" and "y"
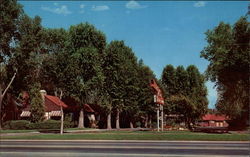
{"x": 160, "y": 33}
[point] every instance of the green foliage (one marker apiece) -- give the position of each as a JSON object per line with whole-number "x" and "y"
{"x": 121, "y": 83}
{"x": 10, "y": 15}
{"x": 24, "y": 124}
{"x": 17, "y": 124}
{"x": 86, "y": 45}
{"x": 28, "y": 54}
{"x": 185, "y": 92}
{"x": 86, "y": 35}
{"x": 49, "y": 124}
{"x": 168, "y": 80}
{"x": 228, "y": 54}
{"x": 76, "y": 61}
{"x": 37, "y": 108}
{"x": 145, "y": 93}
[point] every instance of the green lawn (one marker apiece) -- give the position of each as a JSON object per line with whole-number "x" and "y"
{"x": 17, "y": 131}
{"x": 137, "y": 135}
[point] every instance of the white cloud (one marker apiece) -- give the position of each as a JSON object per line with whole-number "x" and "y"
{"x": 100, "y": 8}
{"x": 55, "y": 4}
{"x": 59, "y": 10}
{"x": 199, "y": 4}
{"x": 134, "y": 5}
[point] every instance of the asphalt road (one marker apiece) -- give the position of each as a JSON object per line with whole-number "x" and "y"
{"x": 58, "y": 148}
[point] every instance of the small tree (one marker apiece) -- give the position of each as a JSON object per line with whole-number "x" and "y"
{"x": 37, "y": 104}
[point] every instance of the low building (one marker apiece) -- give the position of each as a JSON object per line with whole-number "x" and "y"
{"x": 213, "y": 120}
{"x": 212, "y": 123}
{"x": 52, "y": 106}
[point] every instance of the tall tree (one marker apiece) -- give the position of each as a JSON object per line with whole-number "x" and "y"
{"x": 120, "y": 71}
{"x": 86, "y": 46}
{"x": 228, "y": 54}
{"x": 114, "y": 78}
{"x": 145, "y": 93}
{"x": 185, "y": 92}
{"x": 197, "y": 91}
{"x": 10, "y": 15}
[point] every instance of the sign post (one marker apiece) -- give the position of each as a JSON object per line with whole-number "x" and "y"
{"x": 158, "y": 118}
{"x": 159, "y": 101}
{"x": 162, "y": 117}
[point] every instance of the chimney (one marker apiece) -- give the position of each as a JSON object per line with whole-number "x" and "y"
{"x": 43, "y": 93}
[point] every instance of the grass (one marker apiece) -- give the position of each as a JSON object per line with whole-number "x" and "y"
{"x": 17, "y": 131}
{"x": 137, "y": 135}
{"x": 78, "y": 129}
{"x": 27, "y": 131}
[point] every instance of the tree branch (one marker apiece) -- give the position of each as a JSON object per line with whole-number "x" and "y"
{"x": 12, "y": 79}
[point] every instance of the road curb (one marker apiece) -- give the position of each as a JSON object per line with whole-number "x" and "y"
{"x": 139, "y": 141}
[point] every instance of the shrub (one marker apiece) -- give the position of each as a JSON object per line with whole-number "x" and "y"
{"x": 49, "y": 124}
{"x": 17, "y": 124}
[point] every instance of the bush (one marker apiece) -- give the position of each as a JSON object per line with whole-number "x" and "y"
{"x": 17, "y": 124}
{"x": 24, "y": 124}
{"x": 49, "y": 124}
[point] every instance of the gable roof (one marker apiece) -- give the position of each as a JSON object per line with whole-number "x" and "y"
{"x": 214, "y": 117}
{"x": 52, "y": 103}
{"x": 55, "y": 100}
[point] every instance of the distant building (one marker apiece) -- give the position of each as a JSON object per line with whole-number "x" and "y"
{"x": 212, "y": 123}
{"x": 213, "y": 120}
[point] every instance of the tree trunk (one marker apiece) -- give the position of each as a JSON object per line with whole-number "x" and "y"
{"x": 146, "y": 121}
{"x": 81, "y": 119}
{"x": 109, "y": 121}
{"x": 131, "y": 125}
{"x": 117, "y": 119}
{"x": 150, "y": 121}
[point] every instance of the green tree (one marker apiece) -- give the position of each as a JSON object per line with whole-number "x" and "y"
{"x": 86, "y": 46}
{"x": 113, "y": 70}
{"x": 197, "y": 92}
{"x": 37, "y": 108}
{"x": 10, "y": 15}
{"x": 145, "y": 93}
{"x": 185, "y": 92}
{"x": 28, "y": 55}
{"x": 228, "y": 54}
{"x": 168, "y": 80}
{"x": 121, "y": 80}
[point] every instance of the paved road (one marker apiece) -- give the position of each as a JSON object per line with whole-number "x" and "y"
{"x": 121, "y": 148}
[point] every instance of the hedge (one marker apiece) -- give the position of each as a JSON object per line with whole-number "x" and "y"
{"x": 17, "y": 124}
{"x": 24, "y": 124}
